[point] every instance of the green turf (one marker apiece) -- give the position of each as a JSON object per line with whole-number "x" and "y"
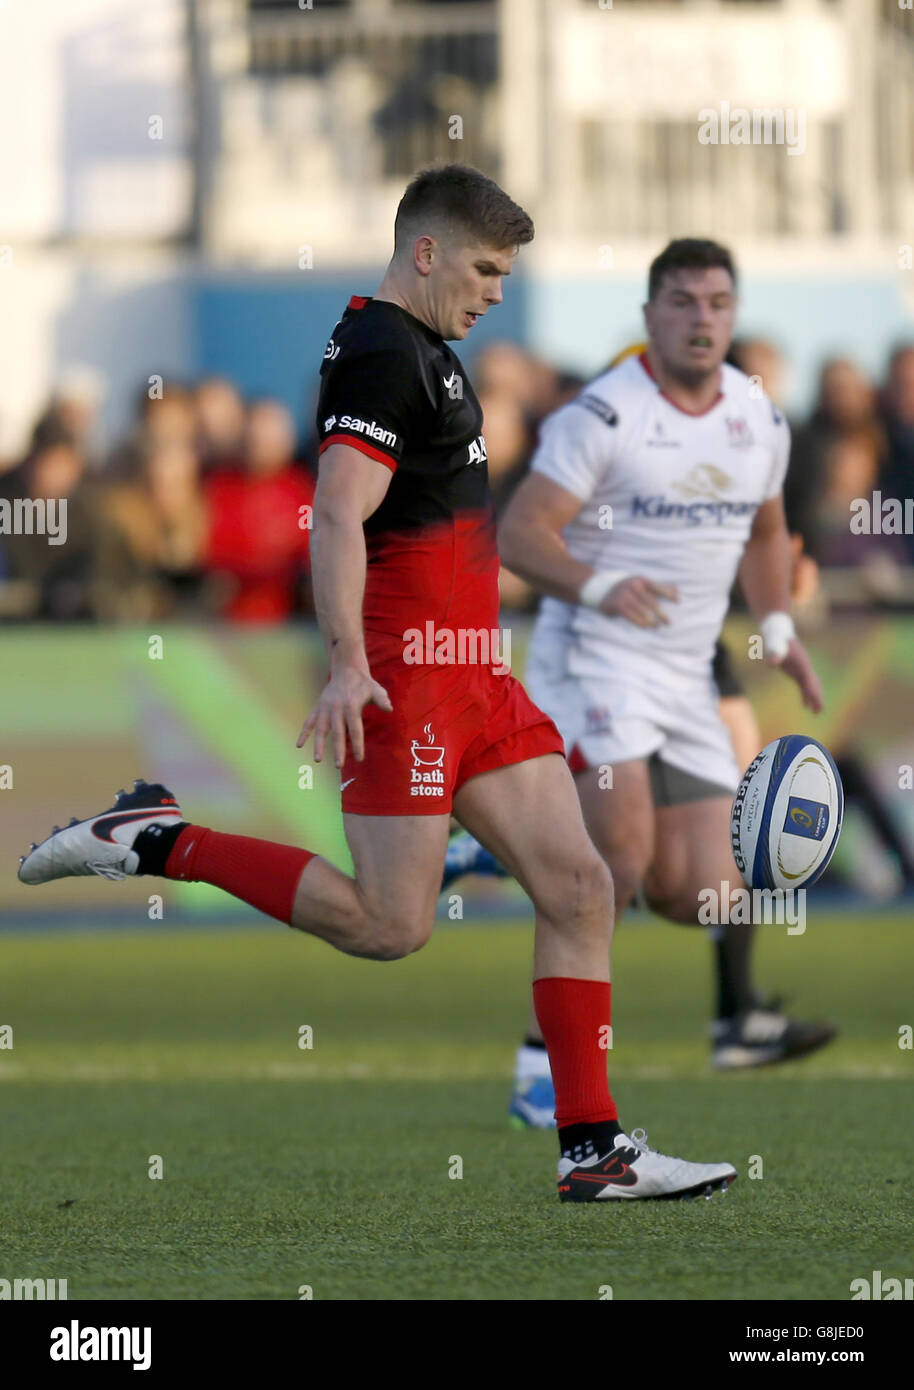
{"x": 329, "y": 1167}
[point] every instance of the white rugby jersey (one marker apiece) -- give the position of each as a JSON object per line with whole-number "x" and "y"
{"x": 668, "y": 495}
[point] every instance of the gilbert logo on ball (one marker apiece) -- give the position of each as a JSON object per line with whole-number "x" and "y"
{"x": 787, "y": 814}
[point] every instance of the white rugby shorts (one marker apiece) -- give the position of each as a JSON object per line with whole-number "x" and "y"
{"x": 632, "y": 709}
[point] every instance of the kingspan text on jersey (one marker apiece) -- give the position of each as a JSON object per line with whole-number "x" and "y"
{"x": 693, "y": 513}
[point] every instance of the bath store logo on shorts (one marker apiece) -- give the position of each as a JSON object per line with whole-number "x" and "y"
{"x": 427, "y": 776}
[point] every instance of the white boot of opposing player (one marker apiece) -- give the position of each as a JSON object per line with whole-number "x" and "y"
{"x": 533, "y": 1097}
{"x": 631, "y": 1170}
{"x": 103, "y": 844}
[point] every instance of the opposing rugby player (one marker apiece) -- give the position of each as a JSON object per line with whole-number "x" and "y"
{"x": 647, "y": 496}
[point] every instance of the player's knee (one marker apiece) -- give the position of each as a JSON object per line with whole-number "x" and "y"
{"x": 582, "y": 890}
{"x": 396, "y": 935}
{"x": 602, "y": 886}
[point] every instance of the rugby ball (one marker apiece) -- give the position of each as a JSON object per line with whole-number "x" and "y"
{"x": 787, "y": 814}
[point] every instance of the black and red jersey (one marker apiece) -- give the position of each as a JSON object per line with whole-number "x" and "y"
{"x": 392, "y": 388}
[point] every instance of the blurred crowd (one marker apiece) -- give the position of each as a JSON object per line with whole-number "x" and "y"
{"x": 204, "y": 508}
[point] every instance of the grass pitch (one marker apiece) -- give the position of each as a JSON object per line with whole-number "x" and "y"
{"x": 329, "y": 1166}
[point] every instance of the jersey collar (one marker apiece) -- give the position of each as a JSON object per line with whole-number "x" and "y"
{"x": 358, "y": 301}
{"x": 676, "y": 406}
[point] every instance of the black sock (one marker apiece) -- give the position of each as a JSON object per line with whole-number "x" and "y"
{"x": 580, "y": 1141}
{"x": 732, "y": 951}
{"x": 535, "y": 1042}
{"x": 154, "y": 845}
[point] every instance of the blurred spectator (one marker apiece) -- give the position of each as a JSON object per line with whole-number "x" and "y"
{"x": 509, "y": 443}
{"x": 160, "y": 421}
{"x": 504, "y": 368}
{"x": 154, "y": 527}
{"x": 847, "y": 401}
{"x": 544, "y": 389}
{"x": 259, "y": 534}
{"x": 851, "y": 470}
{"x": 758, "y": 357}
{"x": 53, "y": 573}
{"x": 845, "y": 410}
{"x": 567, "y": 386}
{"x": 897, "y": 477}
{"x": 220, "y": 424}
{"x": 73, "y": 410}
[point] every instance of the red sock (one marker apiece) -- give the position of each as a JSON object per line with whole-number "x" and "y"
{"x": 259, "y": 872}
{"x": 574, "y": 1016}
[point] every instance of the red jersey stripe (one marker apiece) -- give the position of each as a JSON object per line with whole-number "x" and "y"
{"x": 362, "y": 445}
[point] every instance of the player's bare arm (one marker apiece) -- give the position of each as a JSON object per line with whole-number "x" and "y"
{"x": 350, "y": 487}
{"x": 530, "y": 543}
{"x": 765, "y": 577}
